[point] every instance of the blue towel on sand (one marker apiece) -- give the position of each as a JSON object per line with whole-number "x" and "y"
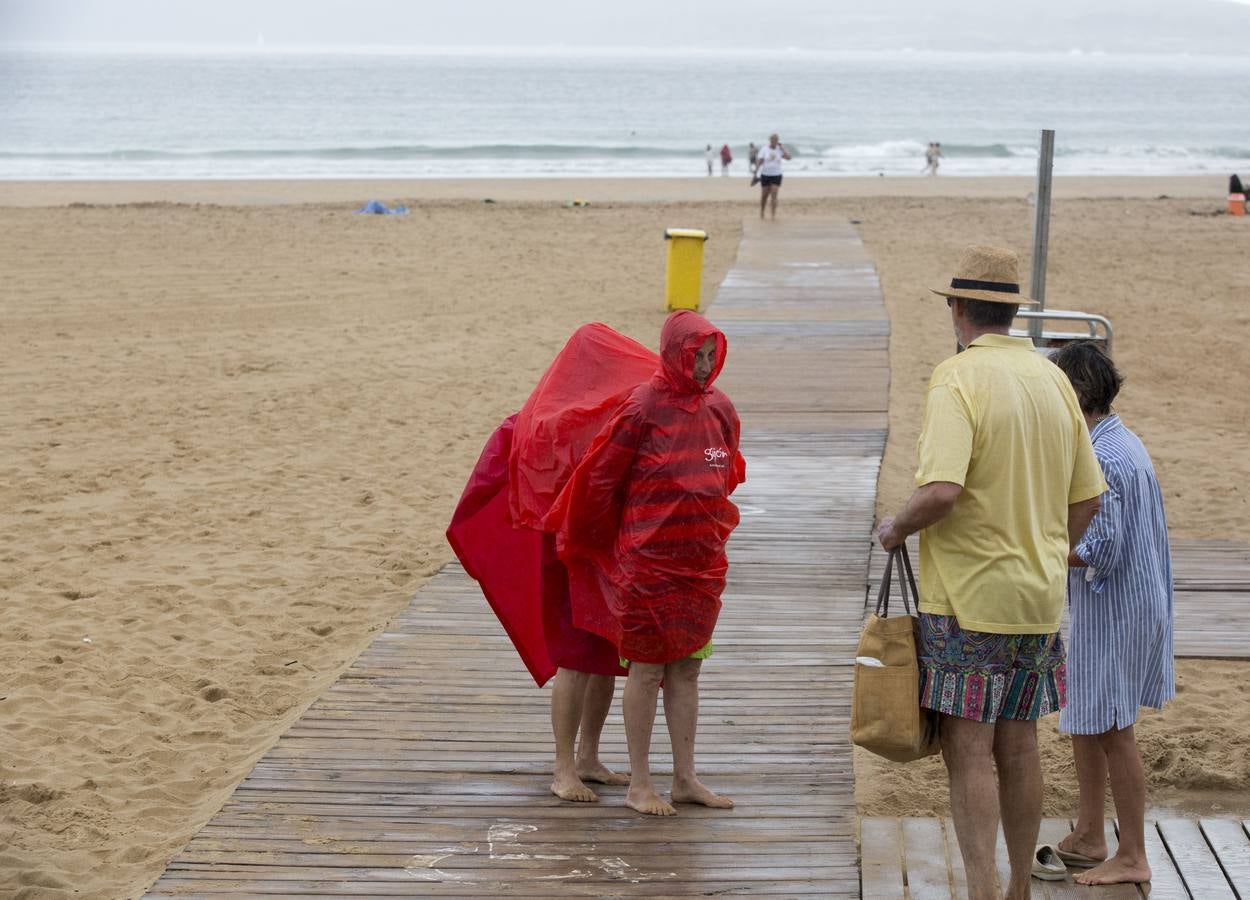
{"x": 379, "y": 209}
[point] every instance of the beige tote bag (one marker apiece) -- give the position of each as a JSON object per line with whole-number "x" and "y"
{"x": 886, "y": 717}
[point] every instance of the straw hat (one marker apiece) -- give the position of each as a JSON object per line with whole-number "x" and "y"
{"x": 986, "y": 273}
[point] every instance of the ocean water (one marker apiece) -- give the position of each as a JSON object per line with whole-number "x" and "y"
{"x": 252, "y": 114}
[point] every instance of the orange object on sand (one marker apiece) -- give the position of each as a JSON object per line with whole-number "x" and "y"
{"x": 1236, "y": 204}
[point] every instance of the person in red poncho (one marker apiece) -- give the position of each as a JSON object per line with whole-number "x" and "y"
{"x": 497, "y": 533}
{"x": 641, "y": 526}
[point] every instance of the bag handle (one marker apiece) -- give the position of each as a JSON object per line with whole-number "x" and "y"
{"x": 900, "y": 561}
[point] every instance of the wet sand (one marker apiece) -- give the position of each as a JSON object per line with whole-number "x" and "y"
{"x": 715, "y": 189}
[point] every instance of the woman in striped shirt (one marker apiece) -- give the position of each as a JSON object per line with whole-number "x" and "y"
{"x": 1120, "y": 644}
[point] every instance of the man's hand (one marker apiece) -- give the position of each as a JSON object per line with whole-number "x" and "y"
{"x": 927, "y": 505}
{"x": 889, "y": 536}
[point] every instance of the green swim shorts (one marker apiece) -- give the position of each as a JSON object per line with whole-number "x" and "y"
{"x": 702, "y": 653}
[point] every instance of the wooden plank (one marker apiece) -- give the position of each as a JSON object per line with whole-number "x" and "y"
{"x": 1212, "y": 599}
{"x": 1054, "y": 830}
{"x": 260, "y": 850}
{"x": 881, "y": 858}
{"x": 592, "y": 868}
{"x": 612, "y": 828}
{"x": 495, "y": 889}
{"x": 1231, "y": 845}
{"x": 955, "y": 859}
{"x": 1165, "y": 881}
{"x": 928, "y": 877}
{"x": 1194, "y": 860}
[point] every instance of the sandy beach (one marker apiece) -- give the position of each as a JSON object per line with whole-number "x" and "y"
{"x": 239, "y": 417}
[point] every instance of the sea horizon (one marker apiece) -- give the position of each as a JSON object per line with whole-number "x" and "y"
{"x": 111, "y": 112}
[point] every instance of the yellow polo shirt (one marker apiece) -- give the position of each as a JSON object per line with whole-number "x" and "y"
{"x": 1003, "y": 421}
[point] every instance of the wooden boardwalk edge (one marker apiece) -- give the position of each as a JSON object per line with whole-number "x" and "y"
{"x": 1189, "y": 859}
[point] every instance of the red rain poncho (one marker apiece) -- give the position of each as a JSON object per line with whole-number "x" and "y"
{"x": 642, "y": 524}
{"x": 495, "y": 529}
{"x": 576, "y": 397}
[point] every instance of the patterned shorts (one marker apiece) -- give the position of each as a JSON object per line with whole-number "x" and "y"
{"x": 985, "y": 677}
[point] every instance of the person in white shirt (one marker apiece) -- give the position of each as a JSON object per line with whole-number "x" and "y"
{"x": 709, "y": 157}
{"x": 768, "y": 170}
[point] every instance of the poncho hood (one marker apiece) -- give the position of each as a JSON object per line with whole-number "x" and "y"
{"x": 680, "y": 339}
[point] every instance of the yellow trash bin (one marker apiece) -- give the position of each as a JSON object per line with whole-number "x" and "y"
{"x": 684, "y": 278}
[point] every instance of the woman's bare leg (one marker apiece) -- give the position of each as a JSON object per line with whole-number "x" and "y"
{"x": 595, "y": 705}
{"x": 641, "y": 690}
{"x": 1128, "y": 787}
{"x": 681, "y": 711}
{"x": 567, "y": 695}
{"x": 1088, "y": 838}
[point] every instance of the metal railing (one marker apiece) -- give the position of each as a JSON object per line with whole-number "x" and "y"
{"x": 1097, "y": 328}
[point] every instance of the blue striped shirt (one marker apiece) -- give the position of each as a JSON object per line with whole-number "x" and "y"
{"x": 1120, "y": 641}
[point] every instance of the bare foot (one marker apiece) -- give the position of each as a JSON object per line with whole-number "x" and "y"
{"x": 1115, "y": 871}
{"x": 567, "y": 786}
{"x": 599, "y": 773}
{"x": 694, "y": 791}
{"x": 649, "y": 803}
{"x": 1094, "y": 849}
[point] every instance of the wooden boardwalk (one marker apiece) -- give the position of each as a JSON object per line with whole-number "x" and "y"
{"x": 918, "y": 858}
{"x": 1211, "y": 609}
{"x": 1212, "y": 599}
{"x": 424, "y": 770}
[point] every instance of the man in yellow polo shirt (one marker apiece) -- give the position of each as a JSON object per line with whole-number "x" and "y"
{"x": 1007, "y": 483}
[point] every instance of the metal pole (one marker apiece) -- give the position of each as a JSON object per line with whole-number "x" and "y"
{"x": 1041, "y": 229}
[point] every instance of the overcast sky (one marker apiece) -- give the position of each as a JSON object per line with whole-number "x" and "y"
{"x": 1112, "y": 25}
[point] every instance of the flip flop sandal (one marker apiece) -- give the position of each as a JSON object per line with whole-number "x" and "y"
{"x": 1078, "y": 860}
{"x": 1047, "y": 865}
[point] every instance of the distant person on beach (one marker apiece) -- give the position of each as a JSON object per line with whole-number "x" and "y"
{"x": 768, "y": 170}
{"x": 932, "y": 155}
{"x": 1008, "y": 482}
{"x": 641, "y": 527}
{"x": 710, "y": 158}
{"x": 1120, "y": 640}
{"x": 726, "y": 157}
{"x": 752, "y": 152}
